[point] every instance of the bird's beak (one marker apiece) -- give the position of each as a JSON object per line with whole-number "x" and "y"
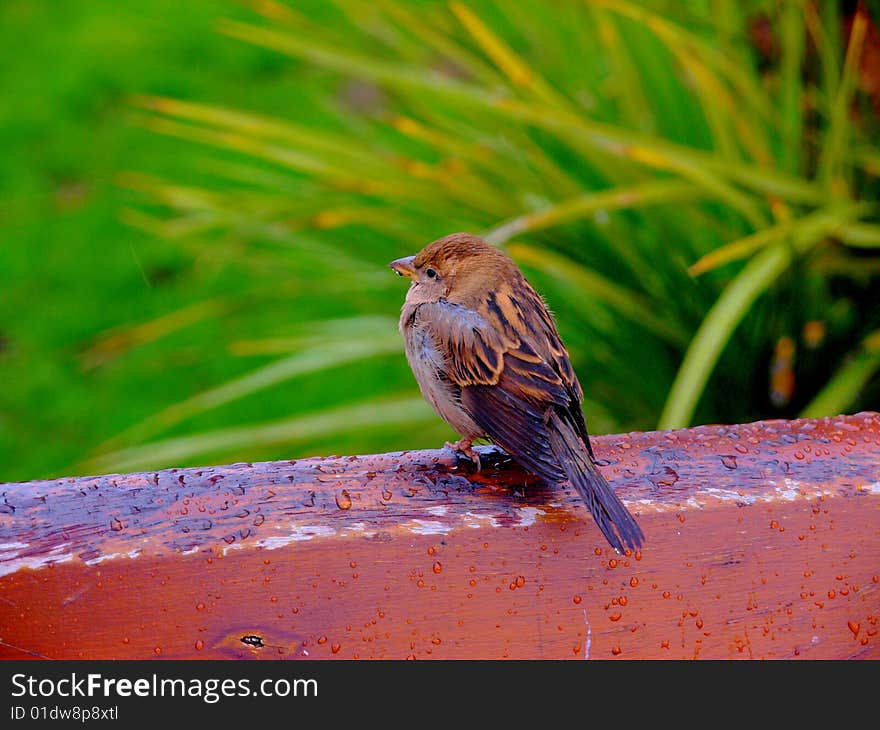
{"x": 405, "y": 267}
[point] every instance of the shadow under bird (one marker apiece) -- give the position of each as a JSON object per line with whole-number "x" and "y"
{"x": 486, "y": 354}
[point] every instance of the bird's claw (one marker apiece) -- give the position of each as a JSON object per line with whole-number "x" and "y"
{"x": 464, "y": 447}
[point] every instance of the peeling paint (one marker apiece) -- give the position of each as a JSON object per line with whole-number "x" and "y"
{"x": 298, "y": 533}
{"x": 429, "y": 527}
{"x": 35, "y": 562}
{"x": 480, "y": 520}
{"x": 529, "y": 515}
{"x": 8, "y": 546}
{"x": 113, "y": 556}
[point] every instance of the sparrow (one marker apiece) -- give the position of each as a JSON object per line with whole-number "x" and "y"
{"x": 486, "y": 354}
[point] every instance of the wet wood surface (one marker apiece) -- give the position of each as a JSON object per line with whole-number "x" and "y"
{"x": 762, "y": 541}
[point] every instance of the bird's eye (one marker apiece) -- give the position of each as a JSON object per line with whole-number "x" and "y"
{"x": 431, "y": 273}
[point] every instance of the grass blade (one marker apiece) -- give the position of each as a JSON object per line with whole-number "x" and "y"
{"x": 715, "y": 332}
{"x": 860, "y": 235}
{"x": 624, "y": 301}
{"x": 841, "y": 391}
{"x": 401, "y": 412}
{"x": 675, "y": 36}
{"x": 512, "y": 66}
{"x": 724, "y": 317}
{"x": 831, "y": 168}
{"x": 122, "y": 339}
{"x": 634, "y": 196}
{"x": 317, "y": 358}
{"x": 702, "y": 167}
{"x": 792, "y": 42}
{"x": 812, "y": 227}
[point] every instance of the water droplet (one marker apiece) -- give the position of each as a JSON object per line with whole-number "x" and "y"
{"x": 598, "y": 551}
{"x": 157, "y": 650}
{"x": 116, "y": 525}
{"x": 616, "y": 650}
{"x": 773, "y": 524}
{"x": 577, "y": 599}
{"x": 352, "y": 564}
{"x": 615, "y": 616}
{"x": 387, "y": 494}
{"x": 729, "y": 461}
{"x": 322, "y": 639}
{"x": 200, "y": 607}
{"x": 199, "y": 645}
{"x": 666, "y": 594}
{"x": 633, "y": 582}
{"x": 335, "y": 648}
{"x": 622, "y": 600}
{"x": 343, "y": 500}
{"x": 125, "y": 640}
{"x": 854, "y": 627}
{"x": 420, "y": 583}
{"x": 437, "y": 567}
{"x": 436, "y": 641}
{"x": 699, "y": 623}
{"x": 612, "y": 563}
{"x": 664, "y": 644}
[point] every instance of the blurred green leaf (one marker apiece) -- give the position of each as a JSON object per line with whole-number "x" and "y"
{"x": 317, "y": 354}
{"x": 844, "y": 387}
{"x": 715, "y": 332}
{"x": 860, "y": 235}
{"x": 583, "y": 206}
{"x": 732, "y": 306}
{"x": 399, "y": 411}
{"x": 834, "y": 219}
{"x": 626, "y": 303}
{"x": 831, "y": 169}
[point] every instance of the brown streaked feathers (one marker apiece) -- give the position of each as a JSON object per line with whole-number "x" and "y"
{"x": 487, "y": 356}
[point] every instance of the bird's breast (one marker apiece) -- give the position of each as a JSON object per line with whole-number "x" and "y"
{"x": 426, "y": 359}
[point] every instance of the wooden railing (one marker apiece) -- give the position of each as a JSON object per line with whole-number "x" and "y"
{"x": 762, "y": 541}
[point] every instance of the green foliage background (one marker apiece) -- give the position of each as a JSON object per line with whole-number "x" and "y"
{"x": 198, "y": 201}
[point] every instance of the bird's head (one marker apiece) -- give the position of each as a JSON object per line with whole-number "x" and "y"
{"x": 459, "y": 267}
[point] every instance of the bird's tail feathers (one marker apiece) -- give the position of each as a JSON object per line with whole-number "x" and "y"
{"x": 611, "y": 515}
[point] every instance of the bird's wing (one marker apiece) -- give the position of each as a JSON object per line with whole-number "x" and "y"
{"x": 511, "y": 369}
{"x": 517, "y": 384}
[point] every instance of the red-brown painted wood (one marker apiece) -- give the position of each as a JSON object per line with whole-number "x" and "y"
{"x": 763, "y": 541}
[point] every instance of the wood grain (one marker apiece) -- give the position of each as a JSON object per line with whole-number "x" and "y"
{"x": 762, "y": 541}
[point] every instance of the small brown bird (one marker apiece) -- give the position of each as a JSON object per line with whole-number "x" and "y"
{"x": 487, "y": 356}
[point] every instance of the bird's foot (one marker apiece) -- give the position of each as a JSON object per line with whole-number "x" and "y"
{"x": 464, "y": 446}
